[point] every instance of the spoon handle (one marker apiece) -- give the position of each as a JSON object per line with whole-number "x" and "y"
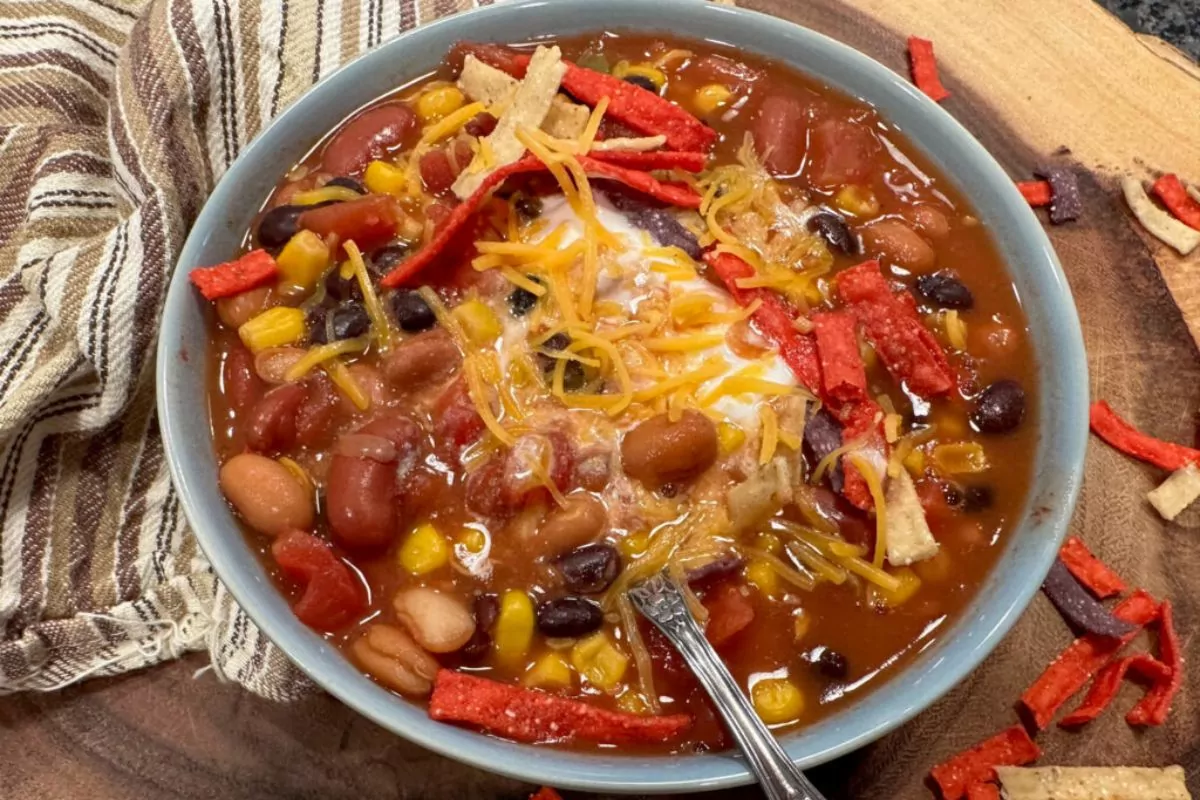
{"x": 661, "y": 602}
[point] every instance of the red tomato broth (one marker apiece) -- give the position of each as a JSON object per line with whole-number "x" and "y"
{"x": 875, "y": 644}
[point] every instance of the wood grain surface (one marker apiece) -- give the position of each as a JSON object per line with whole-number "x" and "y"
{"x": 1029, "y": 77}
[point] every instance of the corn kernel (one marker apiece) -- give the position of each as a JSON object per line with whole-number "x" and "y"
{"x": 633, "y": 703}
{"x": 551, "y": 671}
{"x": 303, "y": 259}
{"x": 769, "y": 542}
{"x": 914, "y": 462}
{"x": 384, "y": 178}
{"x": 274, "y": 327}
{"x": 623, "y": 69}
{"x": 763, "y": 576}
{"x": 711, "y": 97}
{"x": 730, "y": 437}
{"x": 472, "y": 540}
{"x": 777, "y": 700}
{"x": 599, "y": 662}
{"x": 857, "y": 200}
{"x": 960, "y": 458}
{"x": 634, "y": 544}
{"x": 424, "y": 551}
{"x": 439, "y": 102}
{"x": 909, "y": 583}
{"x": 514, "y": 627}
{"x": 956, "y": 330}
{"x": 813, "y": 296}
{"x": 478, "y": 321}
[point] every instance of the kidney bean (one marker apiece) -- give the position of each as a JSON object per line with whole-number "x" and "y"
{"x": 360, "y": 493}
{"x": 659, "y": 451}
{"x": 371, "y": 383}
{"x": 840, "y": 152}
{"x": 945, "y": 289}
{"x": 421, "y": 360}
{"x": 242, "y": 384}
{"x": 591, "y": 470}
{"x": 390, "y": 655}
{"x": 779, "y": 131}
{"x": 589, "y": 569}
{"x": 894, "y": 241}
{"x": 272, "y": 422}
{"x": 999, "y": 408}
{"x": 266, "y": 494}
{"x": 482, "y": 124}
{"x": 237, "y": 310}
{"x": 317, "y": 415}
{"x": 439, "y": 622}
{"x": 568, "y": 617}
{"x": 368, "y": 136}
{"x": 581, "y": 520}
{"x": 273, "y": 363}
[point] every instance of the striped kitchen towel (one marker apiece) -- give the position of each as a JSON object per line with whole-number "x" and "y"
{"x": 116, "y": 119}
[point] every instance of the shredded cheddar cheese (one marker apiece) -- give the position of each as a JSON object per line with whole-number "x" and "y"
{"x": 770, "y": 433}
{"x": 322, "y": 353}
{"x": 452, "y": 123}
{"x": 381, "y": 332}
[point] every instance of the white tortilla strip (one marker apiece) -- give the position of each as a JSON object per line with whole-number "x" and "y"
{"x": 1176, "y": 493}
{"x": 1161, "y": 224}
{"x": 496, "y": 88}
{"x": 908, "y": 536}
{"x": 632, "y": 144}
{"x": 1093, "y": 783}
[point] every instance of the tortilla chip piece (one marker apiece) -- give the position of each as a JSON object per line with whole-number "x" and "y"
{"x": 908, "y": 536}
{"x": 1176, "y": 493}
{"x": 1158, "y": 222}
{"x": 496, "y": 88}
{"x": 633, "y": 144}
{"x": 1090, "y": 783}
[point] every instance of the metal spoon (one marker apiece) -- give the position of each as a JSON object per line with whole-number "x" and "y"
{"x": 660, "y": 601}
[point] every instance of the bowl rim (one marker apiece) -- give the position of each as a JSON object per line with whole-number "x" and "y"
{"x": 631, "y": 773}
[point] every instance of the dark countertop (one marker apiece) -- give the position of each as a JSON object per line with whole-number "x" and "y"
{"x": 1176, "y": 21}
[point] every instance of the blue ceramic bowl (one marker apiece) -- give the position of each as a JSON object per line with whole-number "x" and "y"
{"x": 1053, "y": 325}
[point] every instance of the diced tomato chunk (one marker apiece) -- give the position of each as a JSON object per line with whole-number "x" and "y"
{"x": 332, "y": 595}
{"x": 840, "y": 152}
{"x": 439, "y": 170}
{"x": 729, "y": 613}
{"x": 456, "y": 423}
{"x": 369, "y": 222}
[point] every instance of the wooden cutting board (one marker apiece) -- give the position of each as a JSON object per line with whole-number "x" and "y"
{"x": 1029, "y": 78}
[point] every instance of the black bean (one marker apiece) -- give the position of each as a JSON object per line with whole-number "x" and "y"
{"x": 482, "y": 124}
{"x": 945, "y": 289}
{"x": 340, "y": 288}
{"x": 829, "y": 662}
{"x": 349, "y": 321}
{"x": 558, "y": 341}
{"x": 999, "y": 408}
{"x": 386, "y": 258}
{"x": 521, "y": 301}
{"x": 487, "y": 607}
{"x": 348, "y": 183}
{"x": 718, "y": 569}
{"x": 279, "y": 224}
{"x": 660, "y": 223}
{"x": 952, "y": 494}
{"x": 669, "y": 490}
{"x": 589, "y": 569}
{"x": 642, "y": 81}
{"x": 315, "y": 324}
{"x": 978, "y": 498}
{"x": 412, "y": 312}
{"x": 823, "y": 435}
{"x": 833, "y": 229}
{"x": 574, "y": 376}
{"x": 568, "y": 617}
{"x": 528, "y": 207}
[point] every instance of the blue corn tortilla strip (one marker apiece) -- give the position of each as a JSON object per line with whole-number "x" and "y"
{"x": 660, "y": 223}
{"x": 1065, "y": 203}
{"x": 1078, "y": 607}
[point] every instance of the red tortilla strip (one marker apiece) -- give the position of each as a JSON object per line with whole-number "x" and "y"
{"x": 909, "y": 351}
{"x": 1153, "y": 708}
{"x": 1108, "y": 682}
{"x": 234, "y": 277}
{"x": 1129, "y": 440}
{"x": 925, "y": 70}
{"x": 1170, "y": 190}
{"x": 527, "y": 715}
{"x": 983, "y": 791}
{"x": 1082, "y": 659}
{"x": 638, "y": 108}
{"x": 655, "y": 159}
{"x": 774, "y": 318}
{"x": 545, "y": 793}
{"x": 1093, "y": 573}
{"x": 1011, "y": 747}
{"x": 453, "y": 225}
{"x": 1036, "y": 193}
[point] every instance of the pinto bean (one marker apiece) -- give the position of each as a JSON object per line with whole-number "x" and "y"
{"x": 778, "y": 132}
{"x": 237, "y": 310}
{"x": 242, "y": 384}
{"x": 659, "y": 451}
{"x": 273, "y": 363}
{"x": 360, "y": 494}
{"x": 895, "y": 241}
{"x": 389, "y": 655}
{"x": 929, "y": 221}
{"x": 422, "y": 360}
{"x": 266, "y": 494}
{"x": 371, "y": 382}
{"x": 439, "y": 622}
{"x": 368, "y": 136}
{"x": 567, "y": 527}
{"x": 272, "y": 422}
